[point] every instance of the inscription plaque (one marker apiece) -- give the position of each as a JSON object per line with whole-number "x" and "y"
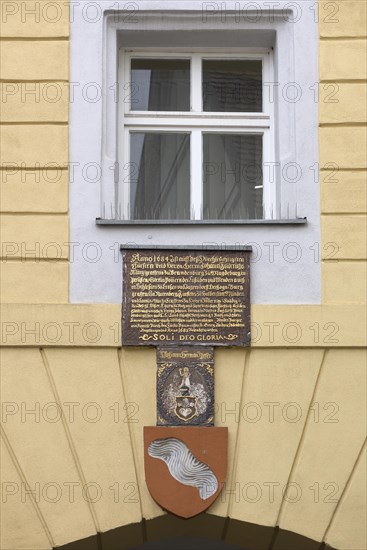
{"x": 186, "y": 296}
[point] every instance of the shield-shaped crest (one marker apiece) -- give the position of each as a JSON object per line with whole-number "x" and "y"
{"x": 186, "y": 407}
{"x": 185, "y": 467}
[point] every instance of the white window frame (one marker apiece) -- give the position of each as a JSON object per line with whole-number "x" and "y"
{"x": 195, "y": 122}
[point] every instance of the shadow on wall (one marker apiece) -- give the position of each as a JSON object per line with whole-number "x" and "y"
{"x": 186, "y": 543}
{"x": 203, "y": 532}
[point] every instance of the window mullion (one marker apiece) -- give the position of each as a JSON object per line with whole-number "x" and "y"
{"x": 196, "y": 86}
{"x": 270, "y": 201}
{"x": 196, "y": 184}
{"x": 125, "y": 178}
{"x": 269, "y": 196}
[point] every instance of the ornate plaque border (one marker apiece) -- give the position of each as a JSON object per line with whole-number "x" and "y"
{"x": 131, "y": 335}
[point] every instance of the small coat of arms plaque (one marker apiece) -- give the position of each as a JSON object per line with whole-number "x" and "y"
{"x": 185, "y": 386}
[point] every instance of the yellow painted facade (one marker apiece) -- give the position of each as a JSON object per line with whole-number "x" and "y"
{"x": 59, "y": 353}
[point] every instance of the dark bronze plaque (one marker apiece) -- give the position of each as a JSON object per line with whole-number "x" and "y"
{"x": 188, "y": 296}
{"x": 185, "y": 386}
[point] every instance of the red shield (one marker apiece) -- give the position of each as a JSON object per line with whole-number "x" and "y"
{"x": 185, "y": 466}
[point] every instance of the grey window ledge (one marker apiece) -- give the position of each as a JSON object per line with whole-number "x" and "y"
{"x": 235, "y": 248}
{"x": 295, "y": 221}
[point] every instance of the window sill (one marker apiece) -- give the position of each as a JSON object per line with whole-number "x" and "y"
{"x": 295, "y": 221}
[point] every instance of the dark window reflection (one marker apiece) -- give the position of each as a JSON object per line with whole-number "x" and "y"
{"x": 232, "y": 176}
{"x": 232, "y": 85}
{"x": 160, "y": 176}
{"x": 160, "y": 84}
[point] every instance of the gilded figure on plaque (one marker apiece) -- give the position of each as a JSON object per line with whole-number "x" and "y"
{"x": 185, "y": 382}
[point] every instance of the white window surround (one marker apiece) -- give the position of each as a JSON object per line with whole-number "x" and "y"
{"x": 94, "y": 129}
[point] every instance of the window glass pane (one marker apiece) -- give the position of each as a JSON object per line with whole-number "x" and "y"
{"x": 160, "y": 176}
{"x": 232, "y": 176}
{"x": 160, "y": 84}
{"x": 232, "y": 85}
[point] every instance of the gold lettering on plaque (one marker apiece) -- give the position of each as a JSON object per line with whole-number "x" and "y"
{"x": 183, "y": 297}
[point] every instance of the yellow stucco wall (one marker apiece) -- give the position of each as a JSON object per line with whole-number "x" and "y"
{"x": 55, "y": 352}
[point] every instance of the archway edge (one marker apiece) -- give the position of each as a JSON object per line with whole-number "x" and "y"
{"x": 240, "y": 533}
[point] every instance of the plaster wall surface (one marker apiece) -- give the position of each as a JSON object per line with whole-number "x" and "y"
{"x": 55, "y": 352}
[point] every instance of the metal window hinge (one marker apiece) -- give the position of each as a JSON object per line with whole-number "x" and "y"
{"x": 116, "y": 172}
